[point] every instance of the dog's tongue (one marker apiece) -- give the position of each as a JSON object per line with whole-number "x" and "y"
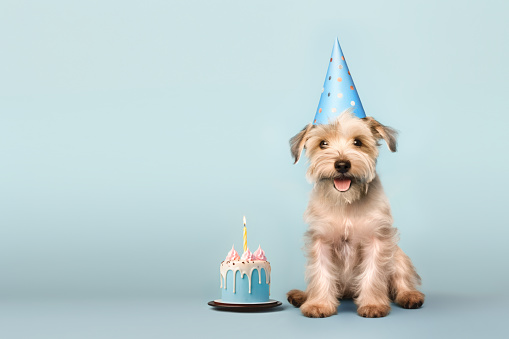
{"x": 342, "y": 184}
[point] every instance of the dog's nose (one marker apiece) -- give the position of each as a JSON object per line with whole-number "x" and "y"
{"x": 342, "y": 166}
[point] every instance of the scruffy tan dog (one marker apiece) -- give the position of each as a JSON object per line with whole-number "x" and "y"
{"x": 351, "y": 243}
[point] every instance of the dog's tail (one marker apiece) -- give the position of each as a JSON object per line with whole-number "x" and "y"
{"x": 296, "y": 297}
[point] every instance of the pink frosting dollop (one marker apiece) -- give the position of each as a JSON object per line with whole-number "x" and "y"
{"x": 247, "y": 255}
{"x": 260, "y": 254}
{"x": 232, "y": 255}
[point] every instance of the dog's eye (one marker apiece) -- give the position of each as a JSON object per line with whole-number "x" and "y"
{"x": 357, "y": 142}
{"x": 324, "y": 144}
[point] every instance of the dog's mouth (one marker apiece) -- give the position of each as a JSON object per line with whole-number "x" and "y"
{"x": 342, "y": 184}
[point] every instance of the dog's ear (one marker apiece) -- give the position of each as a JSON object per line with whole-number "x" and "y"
{"x": 298, "y": 142}
{"x": 380, "y": 131}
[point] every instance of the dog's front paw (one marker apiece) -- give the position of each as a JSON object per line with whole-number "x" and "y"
{"x": 373, "y": 311}
{"x": 318, "y": 310}
{"x": 296, "y": 297}
{"x": 410, "y": 299}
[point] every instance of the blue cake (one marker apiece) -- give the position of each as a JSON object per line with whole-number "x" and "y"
{"x": 245, "y": 279}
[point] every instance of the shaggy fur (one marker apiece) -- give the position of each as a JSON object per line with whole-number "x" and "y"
{"x": 351, "y": 243}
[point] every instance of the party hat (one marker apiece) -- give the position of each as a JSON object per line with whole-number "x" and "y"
{"x": 338, "y": 92}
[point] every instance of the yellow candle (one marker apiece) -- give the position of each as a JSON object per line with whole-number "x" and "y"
{"x": 245, "y": 235}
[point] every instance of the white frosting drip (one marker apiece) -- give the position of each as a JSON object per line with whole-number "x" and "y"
{"x": 245, "y": 267}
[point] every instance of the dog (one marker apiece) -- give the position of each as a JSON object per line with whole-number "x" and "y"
{"x": 351, "y": 244}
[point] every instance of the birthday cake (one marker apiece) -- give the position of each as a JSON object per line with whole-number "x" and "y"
{"x": 245, "y": 279}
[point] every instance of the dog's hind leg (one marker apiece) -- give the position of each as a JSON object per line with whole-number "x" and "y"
{"x": 296, "y": 297}
{"x": 404, "y": 282}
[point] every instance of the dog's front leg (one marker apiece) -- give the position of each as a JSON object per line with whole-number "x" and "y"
{"x": 322, "y": 281}
{"x": 373, "y": 290}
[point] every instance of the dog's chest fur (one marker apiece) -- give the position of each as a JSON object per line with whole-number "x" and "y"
{"x": 341, "y": 228}
{"x": 346, "y": 227}
{"x": 330, "y": 219}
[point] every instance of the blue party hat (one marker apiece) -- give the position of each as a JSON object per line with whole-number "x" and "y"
{"x": 339, "y": 92}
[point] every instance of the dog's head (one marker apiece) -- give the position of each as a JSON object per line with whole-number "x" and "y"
{"x": 343, "y": 154}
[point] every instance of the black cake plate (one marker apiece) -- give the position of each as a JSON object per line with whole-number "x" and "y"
{"x": 252, "y": 307}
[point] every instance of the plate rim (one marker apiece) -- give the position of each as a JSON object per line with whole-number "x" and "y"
{"x": 246, "y": 307}
{"x": 269, "y": 302}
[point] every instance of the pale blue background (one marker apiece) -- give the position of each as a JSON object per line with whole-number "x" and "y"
{"x": 135, "y": 135}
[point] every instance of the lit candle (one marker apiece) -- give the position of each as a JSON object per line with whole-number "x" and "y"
{"x": 245, "y": 235}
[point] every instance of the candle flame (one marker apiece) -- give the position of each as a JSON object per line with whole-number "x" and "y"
{"x": 244, "y": 221}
